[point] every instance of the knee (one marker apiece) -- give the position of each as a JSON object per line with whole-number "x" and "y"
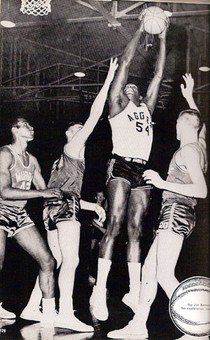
{"x": 48, "y": 264}
{"x": 134, "y": 232}
{"x": 113, "y": 230}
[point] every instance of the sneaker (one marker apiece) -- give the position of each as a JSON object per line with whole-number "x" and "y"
{"x": 131, "y": 331}
{"x": 5, "y": 314}
{"x": 131, "y": 299}
{"x": 31, "y": 314}
{"x": 98, "y": 304}
{"x": 71, "y": 322}
{"x": 48, "y": 319}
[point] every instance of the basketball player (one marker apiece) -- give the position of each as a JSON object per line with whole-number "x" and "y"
{"x": 67, "y": 174}
{"x": 128, "y": 193}
{"x": 184, "y": 184}
{"x": 18, "y": 170}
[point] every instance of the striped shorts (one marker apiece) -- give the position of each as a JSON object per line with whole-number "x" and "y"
{"x": 56, "y": 211}
{"x": 14, "y": 219}
{"x": 177, "y": 218}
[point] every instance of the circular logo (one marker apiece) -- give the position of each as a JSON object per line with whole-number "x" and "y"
{"x": 189, "y": 306}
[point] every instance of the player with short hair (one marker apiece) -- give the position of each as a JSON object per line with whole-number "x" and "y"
{"x": 184, "y": 184}
{"x": 67, "y": 175}
{"x": 127, "y": 193}
{"x": 18, "y": 170}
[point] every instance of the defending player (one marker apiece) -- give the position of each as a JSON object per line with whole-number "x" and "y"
{"x": 67, "y": 174}
{"x": 18, "y": 170}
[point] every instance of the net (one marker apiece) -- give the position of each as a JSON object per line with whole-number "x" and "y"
{"x": 35, "y": 7}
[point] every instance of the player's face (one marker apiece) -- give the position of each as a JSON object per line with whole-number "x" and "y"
{"x": 131, "y": 91}
{"x": 24, "y": 129}
{"x": 100, "y": 197}
{"x": 72, "y": 130}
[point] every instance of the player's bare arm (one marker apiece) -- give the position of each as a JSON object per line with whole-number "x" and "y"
{"x": 153, "y": 89}
{"x": 40, "y": 184}
{"x": 6, "y": 190}
{"x": 117, "y": 99}
{"x": 187, "y": 92}
{"x": 197, "y": 188}
{"x": 80, "y": 138}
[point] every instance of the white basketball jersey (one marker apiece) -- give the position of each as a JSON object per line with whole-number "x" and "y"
{"x": 132, "y": 132}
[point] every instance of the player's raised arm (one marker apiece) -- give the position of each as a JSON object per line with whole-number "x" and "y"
{"x": 187, "y": 92}
{"x": 96, "y": 111}
{"x": 153, "y": 89}
{"x": 116, "y": 97}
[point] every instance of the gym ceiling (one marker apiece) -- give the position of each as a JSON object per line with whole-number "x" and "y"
{"x": 39, "y": 56}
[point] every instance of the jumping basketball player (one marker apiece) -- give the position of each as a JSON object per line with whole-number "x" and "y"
{"x": 18, "y": 169}
{"x": 128, "y": 193}
{"x": 184, "y": 184}
{"x": 67, "y": 174}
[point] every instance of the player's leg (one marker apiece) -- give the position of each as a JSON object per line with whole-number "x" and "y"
{"x": 69, "y": 238}
{"x": 137, "y": 326}
{"x": 32, "y": 242}
{"x": 117, "y": 193}
{"x": 169, "y": 248}
{"x": 32, "y": 309}
{"x": 4, "y": 314}
{"x": 137, "y": 208}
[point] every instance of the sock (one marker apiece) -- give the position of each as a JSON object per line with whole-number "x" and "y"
{"x": 48, "y": 305}
{"x": 103, "y": 272}
{"x": 141, "y": 315}
{"x": 134, "y": 270}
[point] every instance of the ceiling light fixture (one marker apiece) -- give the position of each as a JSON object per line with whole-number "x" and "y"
{"x": 79, "y": 74}
{"x": 204, "y": 68}
{"x": 7, "y": 21}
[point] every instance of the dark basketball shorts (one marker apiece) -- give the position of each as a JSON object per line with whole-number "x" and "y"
{"x": 56, "y": 211}
{"x": 14, "y": 219}
{"x": 127, "y": 171}
{"x": 177, "y": 218}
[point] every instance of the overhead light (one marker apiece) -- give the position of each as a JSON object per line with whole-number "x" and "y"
{"x": 8, "y": 23}
{"x": 79, "y": 74}
{"x": 204, "y": 68}
{"x": 7, "y": 19}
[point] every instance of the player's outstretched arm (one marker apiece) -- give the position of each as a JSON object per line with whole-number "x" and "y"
{"x": 187, "y": 92}
{"x": 116, "y": 96}
{"x": 153, "y": 89}
{"x": 96, "y": 110}
{"x": 94, "y": 207}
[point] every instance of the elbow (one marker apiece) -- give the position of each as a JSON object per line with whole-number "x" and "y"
{"x": 4, "y": 194}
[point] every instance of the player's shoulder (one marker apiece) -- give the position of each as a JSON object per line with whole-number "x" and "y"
{"x": 191, "y": 150}
{"x": 5, "y": 151}
{"x": 33, "y": 160}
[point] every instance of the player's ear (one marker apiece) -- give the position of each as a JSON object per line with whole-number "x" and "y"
{"x": 140, "y": 97}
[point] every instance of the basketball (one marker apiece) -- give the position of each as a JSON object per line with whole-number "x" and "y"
{"x": 189, "y": 306}
{"x": 155, "y": 20}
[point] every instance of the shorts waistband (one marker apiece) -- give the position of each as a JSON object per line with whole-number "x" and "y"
{"x": 130, "y": 159}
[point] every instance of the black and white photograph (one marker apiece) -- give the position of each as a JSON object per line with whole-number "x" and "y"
{"x": 104, "y": 144}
